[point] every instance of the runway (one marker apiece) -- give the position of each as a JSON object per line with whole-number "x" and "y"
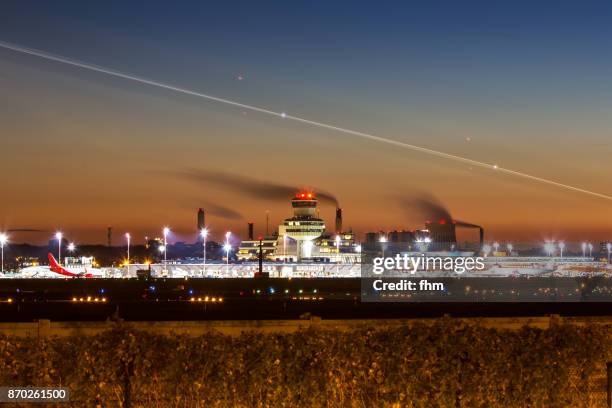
{"x": 268, "y": 298}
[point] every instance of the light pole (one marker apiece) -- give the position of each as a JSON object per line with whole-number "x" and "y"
{"x": 383, "y": 241}
{"x": 427, "y": 241}
{"x": 561, "y": 248}
{"x": 128, "y": 238}
{"x": 58, "y": 236}
{"x": 338, "y": 248}
{"x": 71, "y": 248}
{"x": 284, "y": 248}
{"x": 166, "y": 231}
{"x": 162, "y": 249}
{"x": 204, "y": 234}
{"x": 228, "y": 248}
{"x": 4, "y": 240}
{"x": 590, "y": 250}
{"x": 549, "y": 247}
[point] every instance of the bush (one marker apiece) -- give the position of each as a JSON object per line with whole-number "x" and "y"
{"x": 448, "y": 364}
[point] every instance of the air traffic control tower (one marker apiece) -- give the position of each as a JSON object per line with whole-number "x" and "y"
{"x": 304, "y": 226}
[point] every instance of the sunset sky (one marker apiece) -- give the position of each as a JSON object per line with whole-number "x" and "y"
{"x": 522, "y": 84}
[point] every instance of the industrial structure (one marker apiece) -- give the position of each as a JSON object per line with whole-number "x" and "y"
{"x": 201, "y": 224}
{"x": 440, "y": 235}
{"x": 109, "y": 236}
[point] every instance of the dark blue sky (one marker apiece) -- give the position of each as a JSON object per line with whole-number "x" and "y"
{"x": 524, "y": 83}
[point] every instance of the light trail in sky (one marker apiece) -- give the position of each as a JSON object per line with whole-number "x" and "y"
{"x": 283, "y": 115}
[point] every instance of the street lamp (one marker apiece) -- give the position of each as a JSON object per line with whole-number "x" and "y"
{"x": 284, "y": 248}
{"x": 4, "y": 240}
{"x": 71, "y": 247}
{"x": 549, "y": 247}
{"x": 204, "y": 234}
{"x": 128, "y": 238}
{"x": 561, "y": 248}
{"x": 58, "y": 236}
{"x": 383, "y": 241}
{"x": 228, "y": 248}
{"x": 166, "y": 232}
{"x": 338, "y": 248}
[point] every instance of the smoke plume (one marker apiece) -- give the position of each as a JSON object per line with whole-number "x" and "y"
{"x": 429, "y": 208}
{"x": 221, "y": 211}
{"x": 425, "y": 206}
{"x": 253, "y": 187}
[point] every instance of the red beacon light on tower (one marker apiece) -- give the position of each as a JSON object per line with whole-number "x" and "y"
{"x": 305, "y": 195}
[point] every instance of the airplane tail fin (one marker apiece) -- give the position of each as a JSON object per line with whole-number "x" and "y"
{"x": 57, "y": 268}
{"x": 53, "y": 263}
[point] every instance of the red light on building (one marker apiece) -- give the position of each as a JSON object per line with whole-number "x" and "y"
{"x": 442, "y": 221}
{"x": 305, "y": 195}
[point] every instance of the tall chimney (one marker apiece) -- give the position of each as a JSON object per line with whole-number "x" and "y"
{"x": 201, "y": 219}
{"x": 109, "y": 233}
{"x": 201, "y": 223}
{"x": 338, "y": 220}
{"x": 250, "y": 231}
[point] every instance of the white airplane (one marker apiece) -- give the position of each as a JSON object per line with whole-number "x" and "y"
{"x": 55, "y": 270}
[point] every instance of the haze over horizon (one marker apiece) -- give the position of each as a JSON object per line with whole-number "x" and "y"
{"x": 522, "y": 85}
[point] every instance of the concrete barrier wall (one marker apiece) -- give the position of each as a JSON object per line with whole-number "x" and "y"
{"x": 45, "y": 328}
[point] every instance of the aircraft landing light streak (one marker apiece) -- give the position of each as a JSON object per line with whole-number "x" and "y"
{"x": 283, "y": 115}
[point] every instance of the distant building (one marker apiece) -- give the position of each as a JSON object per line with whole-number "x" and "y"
{"x": 27, "y": 261}
{"x": 338, "y": 248}
{"x": 88, "y": 261}
{"x": 437, "y": 236}
{"x": 442, "y": 233}
{"x": 395, "y": 236}
{"x": 605, "y": 251}
{"x": 249, "y": 249}
{"x": 371, "y": 237}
